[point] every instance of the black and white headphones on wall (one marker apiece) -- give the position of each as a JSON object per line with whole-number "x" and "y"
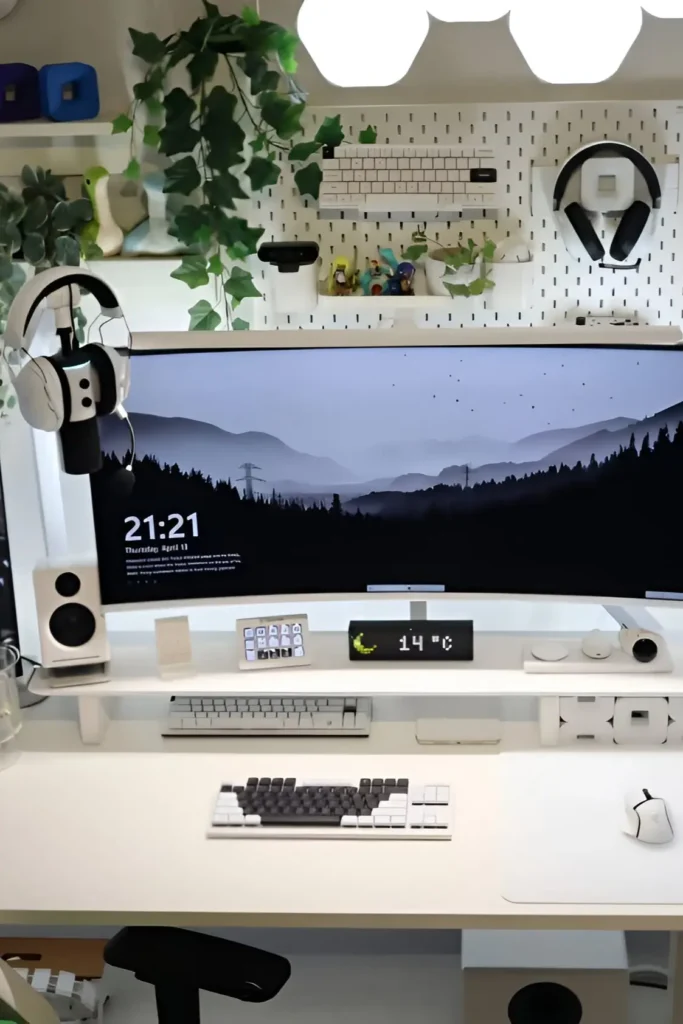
{"x": 66, "y": 392}
{"x": 615, "y": 182}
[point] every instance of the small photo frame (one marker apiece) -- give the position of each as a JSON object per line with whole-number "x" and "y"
{"x": 276, "y": 641}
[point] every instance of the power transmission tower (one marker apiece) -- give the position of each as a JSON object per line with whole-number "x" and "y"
{"x": 249, "y": 479}
{"x": 467, "y": 475}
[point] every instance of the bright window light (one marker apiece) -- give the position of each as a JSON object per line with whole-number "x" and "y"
{"x": 469, "y": 10}
{"x": 664, "y": 8}
{"x": 585, "y": 43}
{"x": 363, "y": 42}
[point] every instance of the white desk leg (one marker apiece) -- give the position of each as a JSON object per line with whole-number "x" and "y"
{"x": 92, "y": 719}
{"x": 549, "y": 721}
{"x": 676, "y": 976}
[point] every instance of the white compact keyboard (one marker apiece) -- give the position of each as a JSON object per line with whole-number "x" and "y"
{"x": 415, "y": 182}
{"x": 290, "y": 808}
{"x": 269, "y": 716}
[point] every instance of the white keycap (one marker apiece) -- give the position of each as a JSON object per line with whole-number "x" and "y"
{"x": 462, "y": 164}
{"x": 441, "y": 821}
{"x": 189, "y": 723}
{"x": 349, "y": 821}
{"x": 348, "y": 176}
{"x": 483, "y": 152}
{"x": 406, "y": 175}
{"x": 330, "y": 165}
{"x": 358, "y": 175}
{"x": 306, "y": 721}
{"x": 365, "y": 821}
{"x": 259, "y": 716}
{"x": 221, "y": 819}
{"x": 430, "y": 794}
{"x": 398, "y": 819}
{"x": 362, "y": 151}
{"x": 328, "y": 720}
{"x": 396, "y": 203}
{"x": 467, "y": 151}
{"x": 369, "y": 164}
{"x": 394, "y": 175}
{"x": 458, "y": 186}
{"x": 404, "y": 164}
{"x": 439, "y": 163}
{"x": 292, "y": 721}
{"x": 464, "y": 176}
{"x": 415, "y": 163}
{"x": 371, "y": 175}
{"x": 344, "y": 165}
{"x": 444, "y": 151}
{"x": 441, "y": 175}
{"x": 350, "y": 151}
{"x": 402, "y": 186}
{"x": 427, "y": 164}
{"x": 251, "y": 820}
{"x": 418, "y": 175}
{"x": 334, "y": 200}
{"x": 385, "y": 151}
{"x": 447, "y": 186}
{"x": 389, "y": 187}
{"x": 411, "y": 186}
{"x": 332, "y": 175}
{"x": 430, "y": 819}
{"x": 473, "y": 199}
{"x": 354, "y": 186}
{"x": 485, "y": 187}
{"x": 435, "y": 186}
{"x": 443, "y": 794}
{"x": 488, "y": 163}
{"x": 415, "y": 817}
{"x": 357, "y": 164}
{"x": 451, "y": 163}
{"x": 383, "y": 175}
{"x": 175, "y": 716}
{"x": 474, "y": 163}
{"x": 381, "y": 820}
{"x": 365, "y": 187}
{"x": 236, "y": 819}
{"x": 335, "y": 187}
{"x": 227, "y": 800}
{"x": 392, "y": 163}
{"x": 399, "y": 799}
{"x": 420, "y": 151}
{"x": 383, "y": 807}
{"x": 349, "y": 720}
{"x": 416, "y": 794}
{"x": 453, "y": 175}
{"x": 377, "y": 186}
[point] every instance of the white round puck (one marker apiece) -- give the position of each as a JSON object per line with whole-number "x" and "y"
{"x": 550, "y": 651}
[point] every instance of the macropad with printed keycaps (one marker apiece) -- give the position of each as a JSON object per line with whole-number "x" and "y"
{"x": 371, "y": 808}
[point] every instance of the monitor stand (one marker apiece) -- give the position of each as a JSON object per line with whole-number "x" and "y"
{"x": 418, "y": 611}
{"x": 640, "y": 618}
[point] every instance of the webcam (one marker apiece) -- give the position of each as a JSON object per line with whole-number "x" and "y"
{"x": 288, "y": 257}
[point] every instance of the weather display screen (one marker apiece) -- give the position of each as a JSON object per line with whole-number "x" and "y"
{"x": 491, "y": 470}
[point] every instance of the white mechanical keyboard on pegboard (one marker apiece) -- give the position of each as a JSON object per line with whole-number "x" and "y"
{"x": 410, "y": 182}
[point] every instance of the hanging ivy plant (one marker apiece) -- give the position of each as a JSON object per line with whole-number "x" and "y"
{"x": 224, "y": 142}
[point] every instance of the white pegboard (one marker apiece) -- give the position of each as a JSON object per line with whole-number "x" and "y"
{"x": 525, "y": 134}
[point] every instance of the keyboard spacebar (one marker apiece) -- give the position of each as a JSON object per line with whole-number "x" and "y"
{"x": 391, "y": 201}
{"x": 302, "y": 820}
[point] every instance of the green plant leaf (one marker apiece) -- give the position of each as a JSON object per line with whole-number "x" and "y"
{"x": 67, "y": 251}
{"x": 303, "y": 150}
{"x": 238, "y": 238}
{"x": 28, "y": 176}
{"x": 36, "y": 214}
{"x": 10, "y": 238}
{"x": 119, "y": 126}
{"x": 221, "y": 131}
{"x": 12, "y": 208}
{"x": 182, "y": 176}
{"x": 240, "y": 285}
{"x": 192, "y": 271}
{"x": 223, "y": 189}
{"x": 215, "y": 265}
{"x": 368, "y": 135}
{"x": 261, "y": 77}
{"x": 282, "y": 114}
{"x": 62, "y": 217}
{"x": 211, "y": 9}
{"x": 286, "y": 44}
{"x": 132, "y": 171}
{"x": 203, "y": 317}
{"x": 488, "y": 250}
{"x": 489, "y": 283}
{"x": 457, "y": 290}
{"x": 149, "y": 86}
{"x": 154, "y": 106}
{"x": 81, "y": 211}
{"x": 147, "y": 46}
{"x": 202, "y": 67}
{"x": 240, "y": 325}
{"x": 259, "y": 143}
{"x": 150, "y": 136}
{"x": 91, "y": 251}
{"x": 308, "y": 180}
{"x": 250, "y": 16}
{"x": 191, "y": 225}
{"x": 5, "y": 272}
{"x": 262, "y": 173}
{"x": 34, "y": 248}
{"x": 178, "y": 135}
{"x": 330, "y": 132}
{"x": 414, "y": 252}
{"x": 478, "y": 285}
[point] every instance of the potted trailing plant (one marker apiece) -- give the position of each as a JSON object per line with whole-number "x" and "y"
{"x": 223, "y": 144}
{"x": 41, "y": 227}
{"x": 460, "y": 271}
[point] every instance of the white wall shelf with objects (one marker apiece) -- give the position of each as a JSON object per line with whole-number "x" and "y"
{"x": 497, "y": 671}
{"x": 66, "y": 147}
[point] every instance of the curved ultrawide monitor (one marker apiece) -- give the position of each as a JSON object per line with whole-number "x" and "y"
{"x": 342, "y": 470}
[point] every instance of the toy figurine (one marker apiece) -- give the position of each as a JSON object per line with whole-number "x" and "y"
{"x": 374, "y": 278}
{"x": 387, "y": 276}
{"x": 343, "y": 276}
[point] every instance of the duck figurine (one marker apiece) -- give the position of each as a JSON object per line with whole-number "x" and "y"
{"x": 102, "y": 229}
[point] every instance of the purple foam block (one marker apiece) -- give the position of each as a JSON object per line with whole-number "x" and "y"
{"x": 19, "y": 93}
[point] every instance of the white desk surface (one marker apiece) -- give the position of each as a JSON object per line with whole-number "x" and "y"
{"x": 496, "y": 671}
{"x": 120, "y": 838}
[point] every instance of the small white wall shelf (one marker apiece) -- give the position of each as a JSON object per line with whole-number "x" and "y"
{"x": 54, "y": 129}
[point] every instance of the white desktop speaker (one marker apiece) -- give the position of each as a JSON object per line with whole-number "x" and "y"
{"x": 70, "y": 618}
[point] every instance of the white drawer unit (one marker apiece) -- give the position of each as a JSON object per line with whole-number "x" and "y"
{"x": 410, "y": 182}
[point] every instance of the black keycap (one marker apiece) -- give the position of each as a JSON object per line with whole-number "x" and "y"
{"x": 365, "y": 782}
{"x": 404, "y": 782}
{"x": 252, "y": 782}
{"x": 483, "y": 174}
{"x": 264, "y": 782}
{"x": 377, "y": 790}
{"x": 300, "y": 811}
{"x": 290, "y": 782}
{"x": 278, "y": 783}
{"x": 226, "y": 789}
{"x": 377, "y": 782}
{"x": 238, "y": 789}
{"x": 306, "y": 821}
{"x": 365, "y": 813}
{"x": 389, "y": 783}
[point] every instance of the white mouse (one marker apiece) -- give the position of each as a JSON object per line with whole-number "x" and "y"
{"x": 648, "y": 818}
{"x": 597, "y": 645}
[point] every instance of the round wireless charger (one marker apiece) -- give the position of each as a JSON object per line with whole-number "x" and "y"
{"x": 550, "y": 650}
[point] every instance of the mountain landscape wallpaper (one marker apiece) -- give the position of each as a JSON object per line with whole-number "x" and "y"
{"x": 496, "y": 470}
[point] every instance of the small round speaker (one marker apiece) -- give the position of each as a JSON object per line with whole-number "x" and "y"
{"x": 72, "y": 625}
{"x": 67, "y": 584}
{"x": 544, "y": 1002}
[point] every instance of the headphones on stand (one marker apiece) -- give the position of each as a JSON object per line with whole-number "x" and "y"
{"x": 575, "y": 220}
{"x": 67, "y": 392}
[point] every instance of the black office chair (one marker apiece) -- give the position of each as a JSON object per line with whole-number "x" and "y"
{"x": 179, "y": 963}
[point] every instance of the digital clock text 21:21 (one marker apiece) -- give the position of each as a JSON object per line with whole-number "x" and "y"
{"x": 158, "y": 530}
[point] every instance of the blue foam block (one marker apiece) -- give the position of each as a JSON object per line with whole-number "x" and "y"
{"x": 68, "y": 92}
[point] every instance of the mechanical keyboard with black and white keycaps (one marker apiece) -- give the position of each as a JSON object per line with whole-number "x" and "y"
{"x": 254, "y": 715}
{"x": 415, "y": 182}
{"x": 369, "y": 808}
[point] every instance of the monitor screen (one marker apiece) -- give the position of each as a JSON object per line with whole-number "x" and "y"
{"x": 338, "y": 470}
